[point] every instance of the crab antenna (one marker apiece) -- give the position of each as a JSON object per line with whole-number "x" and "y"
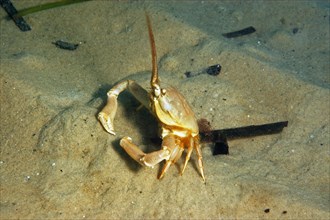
{"x": 154, "y": 78}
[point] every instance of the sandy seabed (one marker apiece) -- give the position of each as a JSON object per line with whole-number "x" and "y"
{"x": 57, "y": 162}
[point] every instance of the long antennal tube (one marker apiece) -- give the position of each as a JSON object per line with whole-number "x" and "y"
{"x": 154, "y": 78}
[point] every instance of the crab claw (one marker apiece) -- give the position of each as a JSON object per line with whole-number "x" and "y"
{"x": 106, "y": 122}
{"x": 107, "y": 115}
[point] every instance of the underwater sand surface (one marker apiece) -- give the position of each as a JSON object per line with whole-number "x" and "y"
{"x": 57, "y": 161}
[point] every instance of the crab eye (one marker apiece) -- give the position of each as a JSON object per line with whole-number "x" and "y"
{"x": 163, "y": 91}
{"x": 157, "y": 91}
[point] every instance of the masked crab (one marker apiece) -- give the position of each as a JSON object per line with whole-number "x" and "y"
{"x": 179, "y": 129}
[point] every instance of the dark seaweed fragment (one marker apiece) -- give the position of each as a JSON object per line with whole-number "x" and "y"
{"x": 214, "y": 70}
{"x": 65, "y": 45}
{"x": 188, "y": 74}
{"x": 295, "y": 30}
{"x": 245, "y": 31}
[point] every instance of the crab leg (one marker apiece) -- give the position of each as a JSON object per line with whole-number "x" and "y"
{"x": 200, "y": 159}
{"x": 172, "y": 143}
{"x": 189, "y": 151}
{"x": 171, "y": 151}
{"x": 150, "y": 159}
{"x": 107, "y": 115}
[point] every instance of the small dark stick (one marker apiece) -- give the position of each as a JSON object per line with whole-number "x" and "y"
{"x": 255, "y": 130}
{"x": 12, "y": 13}
{"x": 219, "y": 137}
